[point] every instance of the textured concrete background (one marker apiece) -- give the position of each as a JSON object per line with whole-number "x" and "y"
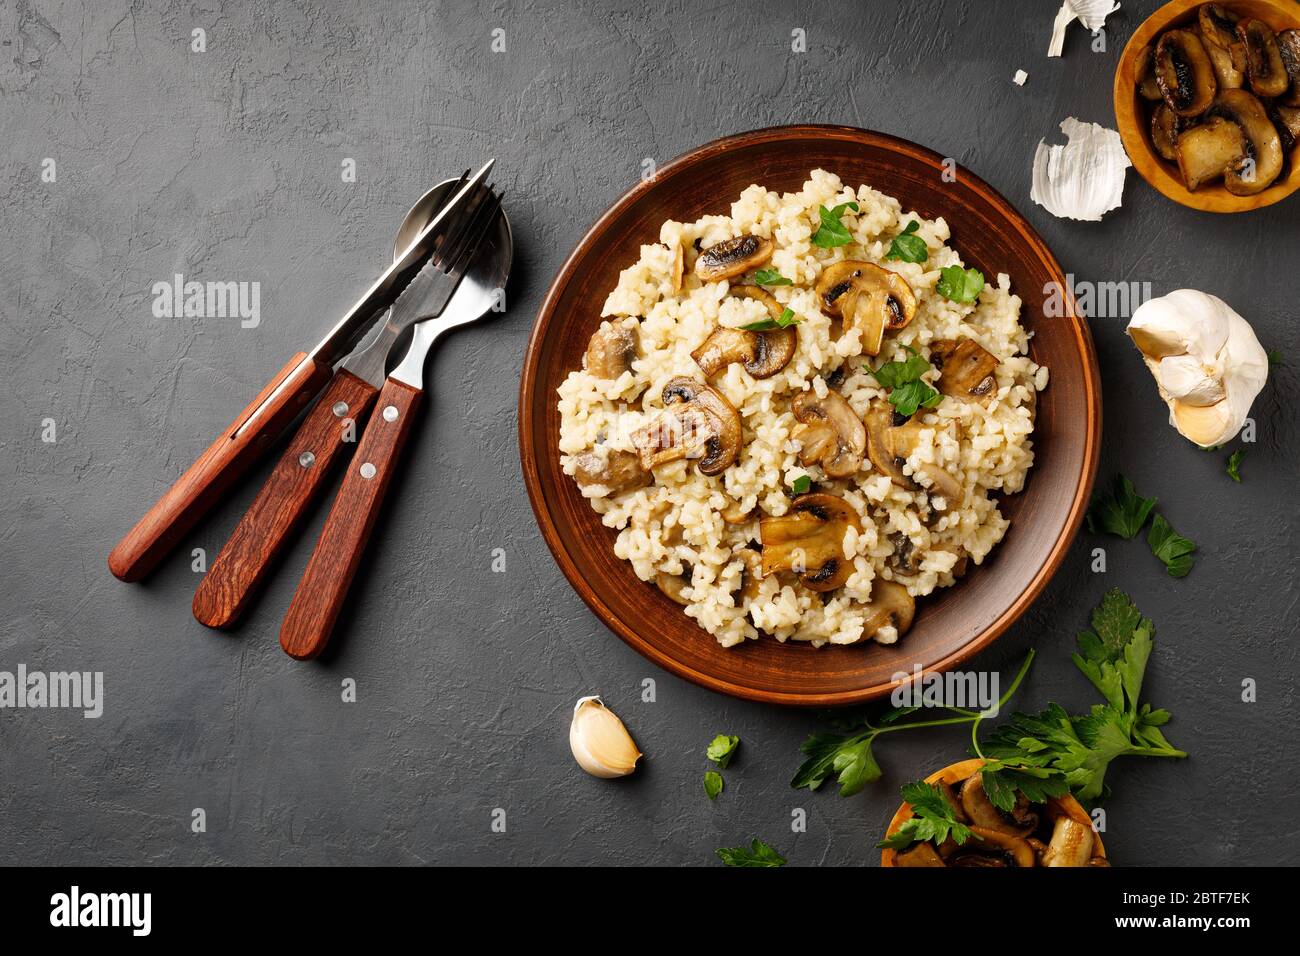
{"x": 226, "y": 164}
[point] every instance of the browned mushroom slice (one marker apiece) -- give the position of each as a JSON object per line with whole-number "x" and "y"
{"x": 733, "y": 257}
{"x": 679, "y": 266}
{"x": 981, "y": 811}
{"x": 1184, "y": 72}
{"x": 1268, "y": 76}
{"x": 1288, "y": 45}
{"x": 762, "y": 353}
{"x": 611, "y": 350}
{"x": 1218, "y": 26}
{"x": 919, "y": 854}
{"x": 809, "y": 541}
{"x": 1288, "y": 122}
{"x": 1164, "y": 131}
{"x": 1205, "y": 152}
{"x": 966, "y": 369}
{"x": 1071, "y": 843}
{"x": 673, "y": 585}
{"x": 1262, "y": 165}
{"x": 868, "y": 298}
{"x": 752, "y": 575}
{"x": 1013, "y": 849}
{"x": 697, "y": 422}
{"x": 1225, "y": 70}
{"x": 891, "y": 606}
{"x": 904, "y": 556}
{"x": 830, "y": 433}
{"x": 616, "y": 471}
{"x": 1143, "y": 76}
{"x": 888, "y": 445}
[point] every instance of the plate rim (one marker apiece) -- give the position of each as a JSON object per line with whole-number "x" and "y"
{"x": 529, "y": 458}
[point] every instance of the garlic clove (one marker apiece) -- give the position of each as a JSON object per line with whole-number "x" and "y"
{"x": 1191, "y": 381}
{"x": 1206, "y": 360}
{"x": 599, "y": 741}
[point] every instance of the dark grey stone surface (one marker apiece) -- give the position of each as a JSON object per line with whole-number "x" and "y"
{"x": 225, "y": 165}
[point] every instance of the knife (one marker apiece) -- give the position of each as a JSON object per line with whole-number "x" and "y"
{"x": 265, "y": 418}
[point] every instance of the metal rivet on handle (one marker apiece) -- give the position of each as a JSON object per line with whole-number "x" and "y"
{"x": 368, "y": 470}
{"x": 390, "y": 413}
{"x": 340, "y": 409}
{"x": 306, "y": 459}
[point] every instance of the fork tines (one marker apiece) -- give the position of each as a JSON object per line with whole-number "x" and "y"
{"x": 457, "y": 247}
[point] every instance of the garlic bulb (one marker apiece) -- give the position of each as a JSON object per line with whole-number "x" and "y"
{"x": 599, "y": 741}
{"x": 1207, "y": 363}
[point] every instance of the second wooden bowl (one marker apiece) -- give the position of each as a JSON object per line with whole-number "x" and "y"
{"x": 1132, "y": 115}
{"x": 955, "y": 773}
{"x": 951, "y": 624}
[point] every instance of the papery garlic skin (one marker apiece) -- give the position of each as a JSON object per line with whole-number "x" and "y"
{"x": 1091, "y": 13}
{"x": 599, "y": 741}
{"x": 1084, "y": 179}
{"x": 1206, "y": 360}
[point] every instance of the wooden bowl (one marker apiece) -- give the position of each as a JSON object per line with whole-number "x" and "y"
{"x": 1132, "y": 116}
{"x": 952, "y": 624}
{"x": 954, "y": 773}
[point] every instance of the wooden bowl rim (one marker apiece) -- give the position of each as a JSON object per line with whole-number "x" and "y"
{"x": 960, "y": 771}
{"x": 1152, "y": 167}
{"x": 529, "y": 456}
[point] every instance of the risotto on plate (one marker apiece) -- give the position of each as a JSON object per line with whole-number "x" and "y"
{"x": 799, "y": 417}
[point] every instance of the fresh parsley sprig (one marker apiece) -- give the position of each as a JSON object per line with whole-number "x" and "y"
{"x": 933, "y": 818}
{"x": 769, "y": 276}
{"x": 1113, "y": 656}
{"x": 907, "y": 391}
{"x": 832, "y": 233}
{"x": 849, "y": 757}
{"x": 960, "y": 285}
{"x": 907, "y": 246}
{"x": 1124, "y": 513}
{"x": 757, "y": 853}
{"x": 784, "y": 321}
{"x": 1234, "y": 464}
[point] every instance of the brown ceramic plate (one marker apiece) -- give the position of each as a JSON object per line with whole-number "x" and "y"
{"x": 952, "y": 624}
{"x": 1132, "y": 114}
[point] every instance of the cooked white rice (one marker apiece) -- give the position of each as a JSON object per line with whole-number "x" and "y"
{"x": 674, "y": 525}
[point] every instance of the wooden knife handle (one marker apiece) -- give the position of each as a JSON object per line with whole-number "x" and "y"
{"x": 324, "y": 585}
{"x": 267, "y": 525}
{"x": 213, "y": 472}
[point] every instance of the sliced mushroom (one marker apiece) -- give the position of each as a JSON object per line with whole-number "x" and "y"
{"x": 617, "y": 471}
{"x": 1288, "y": 122}
{"x": 673, "y": 585}
{"x": 830, "y": 433}
{"x": 1264, "y": 67}
{"x": 762, "y": 353}
{"x": 891, "y": 606}
{"x": 1184, "y": 72}
{"x": 1225, "y": 70}
{"x": 1010, "y": 846}
{"x": 810, "y": 541}
{"x": 733, "y": 513}
{"x": 733, "y": 257}
{"x": 697, "y": 421}
{"x": 753, "y": 573}
{"x": 1144, "y": 77}
{"x": 1263, "y": 162}
{"x": 1288, "y": 45}
{"x": 1071, "y": 843}
{"x": 868, "y": 298}
{"x": 888, "y": 445}
{"x": 904, "y": 556}
{"x": 1164, "y": 131}
{"x": 611, "y": 350}
{"x": 919, "y": 854}
{"x": 1218, "y": 26}
{"x": 981, "y": 811}
{"x": 1039, "y": 848}
{"x": 1205, "y": 152}
{"x": 679, "y": 265}
{"x": 966, "y": 369}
